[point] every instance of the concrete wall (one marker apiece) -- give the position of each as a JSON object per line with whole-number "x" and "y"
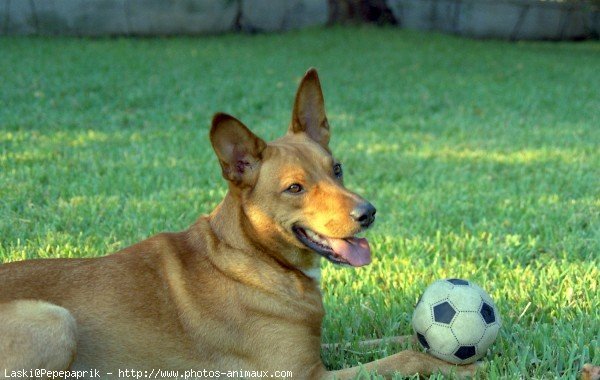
{"x": 506, "y": 19}
{"x": 156, "y": 17}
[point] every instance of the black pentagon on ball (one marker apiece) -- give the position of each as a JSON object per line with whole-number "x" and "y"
{"x": 444, "y": 312}
{"x": 422, "y": 340}
{"x": 457, "y": 281}
{"x": 465, "y": 352}
{"x": 487, "y": 313}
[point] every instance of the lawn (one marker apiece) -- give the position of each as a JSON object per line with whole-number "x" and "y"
{"x": 482, "y": 158}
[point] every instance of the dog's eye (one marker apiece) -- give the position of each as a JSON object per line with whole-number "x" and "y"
{"x": 337, "y": 170}
{"x": 295, "y": 188}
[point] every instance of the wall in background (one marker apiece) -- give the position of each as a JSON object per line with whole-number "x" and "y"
{"x": 157, "y": 17}
{"x": 506, "y": 19}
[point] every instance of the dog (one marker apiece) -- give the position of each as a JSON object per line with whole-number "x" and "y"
{"x": 236, "y": 294}
{"x": 590, "y": 372}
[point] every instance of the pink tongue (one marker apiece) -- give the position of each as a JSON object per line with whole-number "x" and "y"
{"x": 354, "y": 250}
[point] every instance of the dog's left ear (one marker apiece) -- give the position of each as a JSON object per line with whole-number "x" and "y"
{"x": 309, "y": 110}
{"x": 238, "y": 149}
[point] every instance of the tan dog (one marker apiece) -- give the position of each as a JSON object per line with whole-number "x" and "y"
{"x": 237, "y": 291}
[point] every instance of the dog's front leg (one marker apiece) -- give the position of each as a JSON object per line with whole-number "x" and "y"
{"x": 373, "y": 343}
{"x": 405, "y": 363}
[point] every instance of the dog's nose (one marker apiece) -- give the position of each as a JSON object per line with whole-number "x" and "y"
{"x": 364, "y": 214}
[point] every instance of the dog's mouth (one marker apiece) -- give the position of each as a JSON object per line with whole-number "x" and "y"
{"x": 350, "y": 251}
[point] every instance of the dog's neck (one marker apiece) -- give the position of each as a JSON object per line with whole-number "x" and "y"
{"x": 232, "y": 227}
{"x": 314, "y": 273}
{"x": 226, "y": 220}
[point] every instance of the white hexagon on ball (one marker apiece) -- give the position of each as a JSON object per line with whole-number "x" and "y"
{"x": 465, "y": 298}
{"x": 468, "y": 328}
{"x": 456, "y": 321}
{"x": 439, "y": 341}
{"x": 422, "y": 324}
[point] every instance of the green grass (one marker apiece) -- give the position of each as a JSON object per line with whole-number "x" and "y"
{"x": 482, "y": 157}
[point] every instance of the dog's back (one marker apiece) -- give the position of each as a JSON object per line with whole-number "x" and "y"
{"x": 120, "y": 301}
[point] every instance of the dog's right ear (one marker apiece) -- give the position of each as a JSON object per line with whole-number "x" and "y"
{"x": 238, "y": 149}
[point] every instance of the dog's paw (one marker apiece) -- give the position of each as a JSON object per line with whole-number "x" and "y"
{"x": 470, "y": 370}
{"x": 590, "y": 372}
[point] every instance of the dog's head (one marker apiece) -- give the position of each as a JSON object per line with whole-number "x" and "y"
{"x": 291, "y": 190}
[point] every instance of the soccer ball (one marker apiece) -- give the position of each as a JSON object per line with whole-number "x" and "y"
{"x": 456, "y": 321}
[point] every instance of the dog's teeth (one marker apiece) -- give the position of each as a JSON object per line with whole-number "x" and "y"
{"x": 316, "y": 238}
{"x": 313, "y": 235}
